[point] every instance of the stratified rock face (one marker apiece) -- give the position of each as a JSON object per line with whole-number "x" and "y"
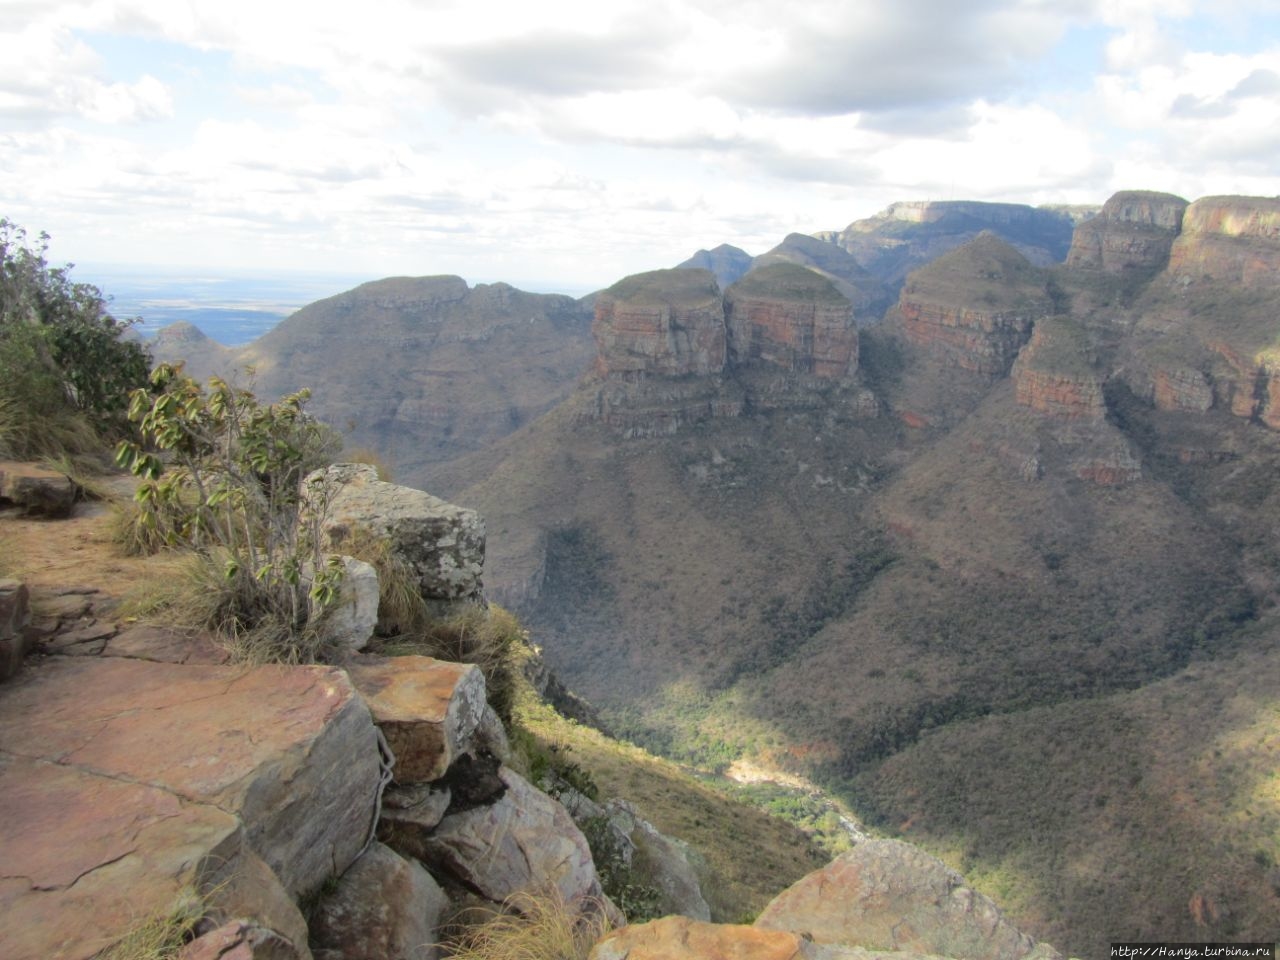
{"x": 1181, "y": 388}
{"x": 663, "y": 323}
{"x": 1234, "y": 239}
{"x": 973, "y": 308}
{"x": 1134, "y": 231}
{"x": 1052, "y": 374}
{"x": 867, "y": 294}
{"x": 794, "y": 318}
{"x": 890, "y": 895}
{"x": 443, "y": 543}
{"x": 726, "y": 261}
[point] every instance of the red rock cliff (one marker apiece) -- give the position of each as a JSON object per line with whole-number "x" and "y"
{"x": 1134, "y": 230}
{"x": 1052, "y": 374}
{"x": 1234, "y": 239}
{"x": 794, "y": 318}
{"x": 665, "y": 323}
{"x": 974, "y": 307}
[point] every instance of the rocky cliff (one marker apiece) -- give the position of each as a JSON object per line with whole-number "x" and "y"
{"x": 1234, "y": 240}
{"x": 664, "y": 323}
{"x": 1053, "y": 376}
{"x": 1134, "y": 231}
{"x": 864, "y": 291}
{"x": 794, "y": 318}
{"x": 973, "y": 308}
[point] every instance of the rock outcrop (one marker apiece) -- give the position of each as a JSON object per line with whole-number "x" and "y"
{"x": 15, "y": 622}
{"x": 973, "y": 309}
{"x": 35, "y": 491}
{"x": 1052, "y": 374}
{"x": 441, "y": 542}
{"x": 892, "y": 896}
{"x": 865, "y": 292}
{"x": 1134, "y": 231}
{"x": 794, "y": 318}
{"x": 665, "y": 323}
{"x": 1235, "y": 240}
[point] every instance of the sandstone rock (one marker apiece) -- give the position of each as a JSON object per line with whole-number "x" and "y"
{"x": 349, "y": 621}
{"x": 890, "y": 895}
{"x": 409, "y": 814}
{"x": 1052, "y": 374}
{"x": 90, "y": 637}
{"x": 525, "y": 841}
{"x": 973, "y": 308}
{"x": 792, "y": 317}
{"x": 85, "y": 856}
{"x": 248, "y": 891}
{"x": 429, "y": 710}
{"x": 656, "y": 407}
{"x": 664, "y": 323}
{"x": 37, "y": 491}
{"x": 15, "y": 618}
{"x": 1231, "y": 239}
{"x": 1135, "y": 230}
{"x": 383, "y": 906}
{"x": 679, "y": 938}
{"x": 240, "y": 940}
{"x": 290, "y": 750}
{"x": 443, "y": 543}
{"x": 1181, "y": 388}
{"x": 164, "y": 645}
{"x": 865, "y": 292}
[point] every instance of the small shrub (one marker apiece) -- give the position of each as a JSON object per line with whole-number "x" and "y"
{"x": 531, "y": 926}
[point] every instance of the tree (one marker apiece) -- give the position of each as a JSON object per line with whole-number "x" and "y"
{"x": 66, "y": 367}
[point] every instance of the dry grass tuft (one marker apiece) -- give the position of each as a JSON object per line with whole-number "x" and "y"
{"x": 530, "y": 927}
{"x": 161, "y": 936}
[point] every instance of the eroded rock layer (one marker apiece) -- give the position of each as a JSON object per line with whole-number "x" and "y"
{"x": 1135, "y": 229}
{"x": 665, "y": 322}
{"x": 1233, "y": 239}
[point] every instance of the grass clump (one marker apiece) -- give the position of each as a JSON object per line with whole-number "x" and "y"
{"x": 162, "y": 935}
{"x": 530, "y": 926}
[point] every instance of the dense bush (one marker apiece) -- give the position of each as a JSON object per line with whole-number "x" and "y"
{"x": 66, "y": 368}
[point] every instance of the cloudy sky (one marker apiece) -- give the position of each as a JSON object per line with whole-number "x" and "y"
{"x": 563, "y": 144}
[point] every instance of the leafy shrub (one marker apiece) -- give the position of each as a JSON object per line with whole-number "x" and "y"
{"x": 229, "y": 486}
{"x": 65, "y": 367}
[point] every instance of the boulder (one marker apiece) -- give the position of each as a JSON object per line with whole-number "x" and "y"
{"x": 442, "y": 543}
{"x": 679, "y": 938}
{"x": 241, "y": 940}
{"x": 383, "y": 906}
{"x": 291, "y": 751}
{"x": 890, "y": 895}
{"x": 15, "y": 618}
{"x": 348, "y": 622}
{"x": 85, "y": 856}
{"x": 36, "y": 491}
{"x": 429, "y": 710}
{"x": 409, "y": 815}
{"x": 523, "y": 842}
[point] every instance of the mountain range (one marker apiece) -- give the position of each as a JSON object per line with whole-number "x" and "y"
{"x": 966, "y": 511}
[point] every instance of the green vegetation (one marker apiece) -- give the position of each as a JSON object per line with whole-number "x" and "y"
{"x": 65, "y": 366}
{"x": 788, "y": 281}
{"x": 666, "y": 287}
{"x": 229, "y": 488}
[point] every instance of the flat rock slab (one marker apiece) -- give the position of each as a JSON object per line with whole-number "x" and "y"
{"x": 39, "y": 492}
{"x": 164, "y": 645}
{"x": 427, "y": 709}
{"x": 292, "y": 751}
{"x": 86, "y": 856}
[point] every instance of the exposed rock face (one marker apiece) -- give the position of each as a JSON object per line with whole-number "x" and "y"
{"x": 383, "y": 906}
{"x": 973, "y": 308}
{"x": 296, "y": 757}
{"x": 867, "y": 294}
{"x": 726, "y": 261}
{"x": 1232, "y": 239}
{"x": 890, "y": 895}
{"x": 37, "y": 491}
{"x": 15, "y": 618}
{"x": 679, "y": 938}
{"x": 239, "y": 940}
{"x": 428, "y": 710}
{"x": 1181, "y": 388}
{"x": 349, "y": 621}
{"x": 793, "y": 318}
{"x": 521, "y": 842}
{"x": 665, "y": 323}
{"x": 1135, "y": 230}
{"x": 659, "y": 407}
{"x": 1052, "y": 374}
{"x": 442, "y": 542}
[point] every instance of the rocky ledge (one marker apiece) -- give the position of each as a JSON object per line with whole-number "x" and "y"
{"x": 665, "y": 323}
{"x": 1232, "y": 239}
{"x": 1135, "y": 230}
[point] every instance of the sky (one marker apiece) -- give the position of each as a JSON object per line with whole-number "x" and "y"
{"x": 560, "y": 145}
